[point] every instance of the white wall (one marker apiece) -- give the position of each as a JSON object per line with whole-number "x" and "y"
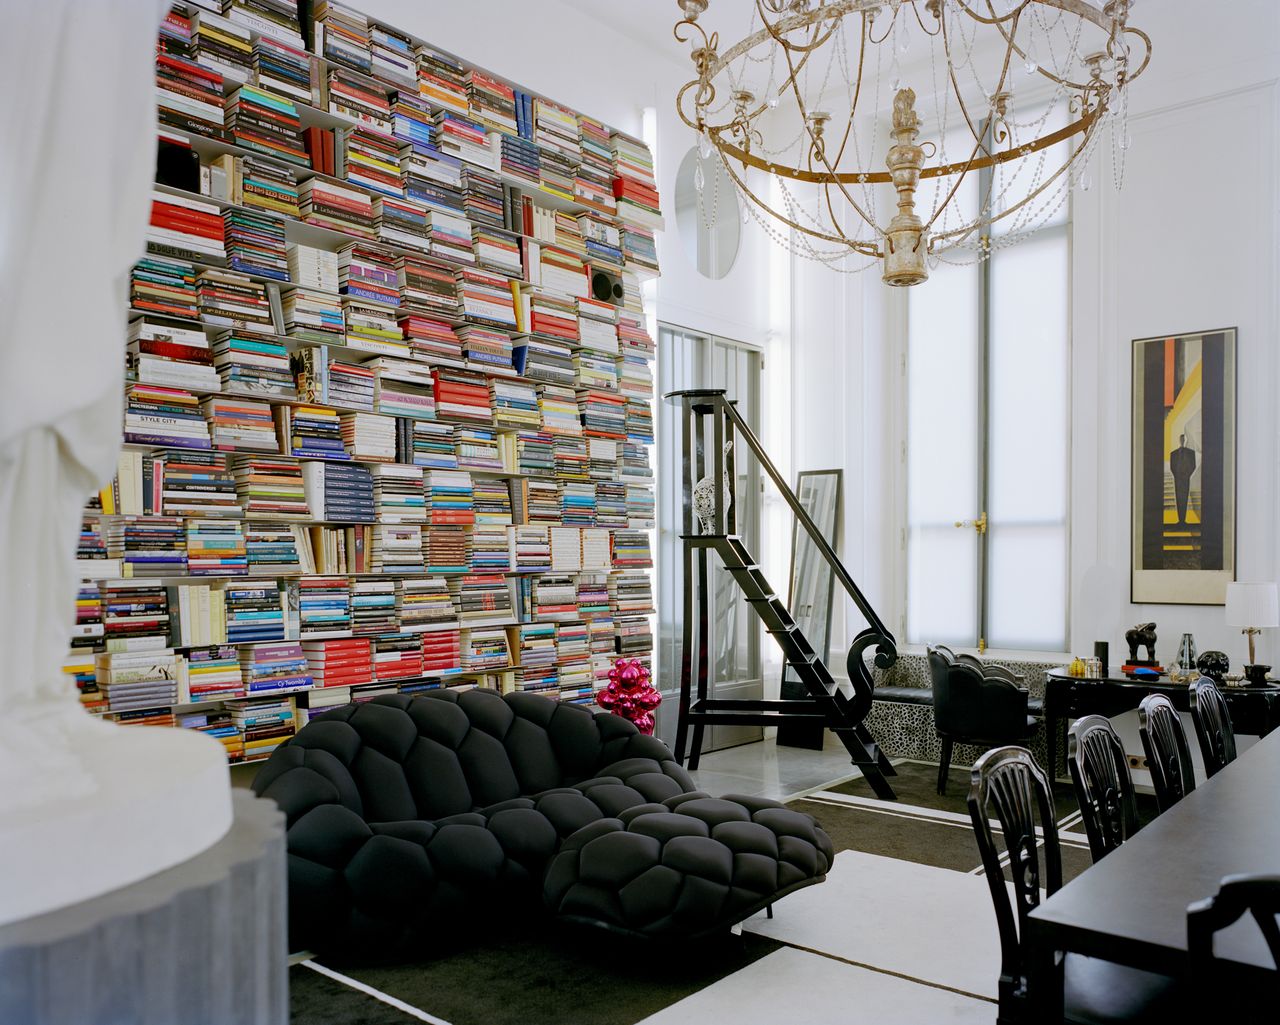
{"x": 1190, "y": 243}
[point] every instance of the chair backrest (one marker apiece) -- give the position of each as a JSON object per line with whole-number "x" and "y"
{"x": 1213, "y": 726}
{"x": 967, "y": 705}
{"x": 1104, "y": 788}
{"x": 1165, "y": 743}
{"x": 1258, "y": 895}
{"x": 1010, "y": 787}
{"x": 990, "y": 670}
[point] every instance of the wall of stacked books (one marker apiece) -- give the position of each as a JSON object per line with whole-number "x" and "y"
{"x": 389, "y": 390}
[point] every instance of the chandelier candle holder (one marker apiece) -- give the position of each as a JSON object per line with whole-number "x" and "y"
{"x": 1006, "y": 102}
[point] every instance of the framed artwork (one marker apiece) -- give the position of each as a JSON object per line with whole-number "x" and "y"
{"x": 1184, "y": 468}
{"x": 810, "y": 590}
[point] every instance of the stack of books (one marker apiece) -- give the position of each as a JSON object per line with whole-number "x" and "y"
{"x": 271, "y": 548}
{"x": 450, "y": 236}
{"x": 631, "y": 550}
{"x": 411, "y": 116}
{"x": 266, "y": 123}
{"x": 255, "y": 243}
{"x": 373, "y": 607}
{"x": 441, "y": 653}
{"x": 369, "y": 437}
{"x": 341, "y": 493}
{"x": 324, "y": 605}
{"x": 265, "y": 725}
{"x": 486, "y": 350}
{"x": 424, "y": 603}
{"x": 253, "y": 612}
{"x": 449, "y": 497}
{"x": 397, "y": 656}
{"x": 215, "y": 547}
{"x": 537, "y": 659}
{"x": 281, "y": 67}
{"x": 357, "y": 99}
{"x": 166, "y": 287}
{"x": 482, "y": 201}
{"x": 185, "y": 228}
{"x": 593, "y": 370}
{"x": 312, "y": 432}
{"x": 321, "y": 378}
{"x": 403, "y": 388}
{"x": 402, "y": 222}
{"x": 486, "y": 298}
{"x": 312, "y": 268}
{"x": 477, "y": 449}
{"x": 515, "y": 404}
{"x": 399, "y": 495}
{"x": 137, "y": 680}
{"x": 603, "y": 242}
{"x": 236, "y": 423}
{"x": 213, "y": 673}
{"x": 166, "y": 354}
{"x": 520, "y": 159}
{"x": 342, "y": 35}
{"x": 549, "y": 360}
{"x": 227, "y": 299}
{"x": 490, "y": 551}
{"x": 442, "y": 80}
{"x": 369, "y": 158}
{"x": 446, "y": 549}
{"x": 484, "y": 649}
{"x": 634, "y": 184}
{"x": 639, "y": 421}
{"x": 429, "y": 444}
{"x": 372, "y": 327}
{"x": 270, "y": 487}
{"x": 530, "y": 548}
{"x": 426, "y": 288}
{"x": 164, "y": 416}
{"x": 611, "y": 504}
{"x": 314, "y": 316}
{"x": 336, "y": 206}
{"x": 603, "y": 414}
{"x": 465, "y": 139}
{"x": 462, "y": 397}
{"x": 222, "y": 46}
{"x": 593, "y": 185}
{"x": 559, "y": 407}
{"x": 189, "y": 96}
{"x": 431, "y": 340}
{"x": 339, "y": 662}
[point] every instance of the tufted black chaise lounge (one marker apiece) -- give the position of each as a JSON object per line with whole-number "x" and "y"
{"x": 405, "y": 811}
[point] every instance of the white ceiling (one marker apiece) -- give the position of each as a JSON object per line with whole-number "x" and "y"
{"x": 650, "y": 22}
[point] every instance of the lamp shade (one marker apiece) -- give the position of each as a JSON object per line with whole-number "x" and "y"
{"x": 1253, "y": 605}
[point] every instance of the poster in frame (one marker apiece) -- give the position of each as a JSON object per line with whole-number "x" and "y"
{"x": 1183, "y": 489}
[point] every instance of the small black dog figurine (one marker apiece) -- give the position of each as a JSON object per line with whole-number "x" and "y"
{"x": 1143, "y": 633}
{"x": 1213, "y": 664}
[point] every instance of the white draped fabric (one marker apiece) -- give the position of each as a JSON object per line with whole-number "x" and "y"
{"x": 77, "y": 154}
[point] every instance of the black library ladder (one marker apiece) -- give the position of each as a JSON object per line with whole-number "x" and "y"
{"x": 710, "y": 428}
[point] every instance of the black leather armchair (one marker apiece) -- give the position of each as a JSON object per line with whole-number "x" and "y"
{"x": 975, "y": 704}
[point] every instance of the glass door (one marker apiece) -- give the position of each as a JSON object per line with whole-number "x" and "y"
{"x": 690, "y": 360}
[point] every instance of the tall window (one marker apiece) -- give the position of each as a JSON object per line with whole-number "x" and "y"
{"x": 987, "y": 443}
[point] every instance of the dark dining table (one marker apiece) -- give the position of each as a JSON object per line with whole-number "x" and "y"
{"x": 1131, "y": 907}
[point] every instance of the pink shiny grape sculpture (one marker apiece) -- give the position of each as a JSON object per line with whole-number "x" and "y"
{"x": 629, "y": 694}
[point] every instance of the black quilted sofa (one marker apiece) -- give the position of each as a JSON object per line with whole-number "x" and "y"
{"x": 407, "y": 814}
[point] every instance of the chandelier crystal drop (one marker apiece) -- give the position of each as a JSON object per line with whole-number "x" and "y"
{"x": 906, "y": 132}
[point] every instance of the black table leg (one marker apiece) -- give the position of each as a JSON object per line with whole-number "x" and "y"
{"x": 1044, "y": 978}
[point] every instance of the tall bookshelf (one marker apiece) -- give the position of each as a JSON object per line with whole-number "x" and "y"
{"x": 389, "y": 387}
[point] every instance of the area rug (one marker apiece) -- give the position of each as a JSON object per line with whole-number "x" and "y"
{"x": 532, "y": 973}
{"x": 540, "y": 973}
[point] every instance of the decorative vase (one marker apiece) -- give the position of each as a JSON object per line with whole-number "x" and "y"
{"x": 629, "y": 694}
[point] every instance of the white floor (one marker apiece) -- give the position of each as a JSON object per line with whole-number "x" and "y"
{"x": 802, "y": 988}
{"x": 767, "y": 770}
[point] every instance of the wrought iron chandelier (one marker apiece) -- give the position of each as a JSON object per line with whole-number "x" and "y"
{"x": 1015, "y": 95}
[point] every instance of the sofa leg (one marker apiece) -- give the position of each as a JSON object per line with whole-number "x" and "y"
{"x": 944, "y": 764}
{"x": 768, "y": 911}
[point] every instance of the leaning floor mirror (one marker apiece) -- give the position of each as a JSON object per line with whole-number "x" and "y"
{"x": 810, "y": 589}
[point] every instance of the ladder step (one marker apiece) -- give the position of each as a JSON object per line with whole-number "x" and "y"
{"x": 767, "y": 599}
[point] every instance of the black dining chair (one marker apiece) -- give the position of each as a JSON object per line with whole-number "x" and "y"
{"x": 1103, "y": 785}
{"x": 1164, "y": 742}
{"x": 974, "y": 705}
{"x": 1007, "y": 786}
{"x": 1238, "y": 895}
{"x": 1213, "y": 726}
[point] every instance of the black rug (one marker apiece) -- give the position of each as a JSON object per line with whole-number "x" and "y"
{"x": 533, "y": 973}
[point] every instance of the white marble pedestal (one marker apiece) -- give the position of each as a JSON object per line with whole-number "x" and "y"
{"x": 202, "y": 942}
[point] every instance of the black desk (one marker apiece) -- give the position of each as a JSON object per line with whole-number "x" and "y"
{"x": 1131, "y": 907}
{"x": 1254, "y": 710}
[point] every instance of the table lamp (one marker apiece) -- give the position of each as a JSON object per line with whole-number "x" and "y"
{"x": 1253, "y": 608}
